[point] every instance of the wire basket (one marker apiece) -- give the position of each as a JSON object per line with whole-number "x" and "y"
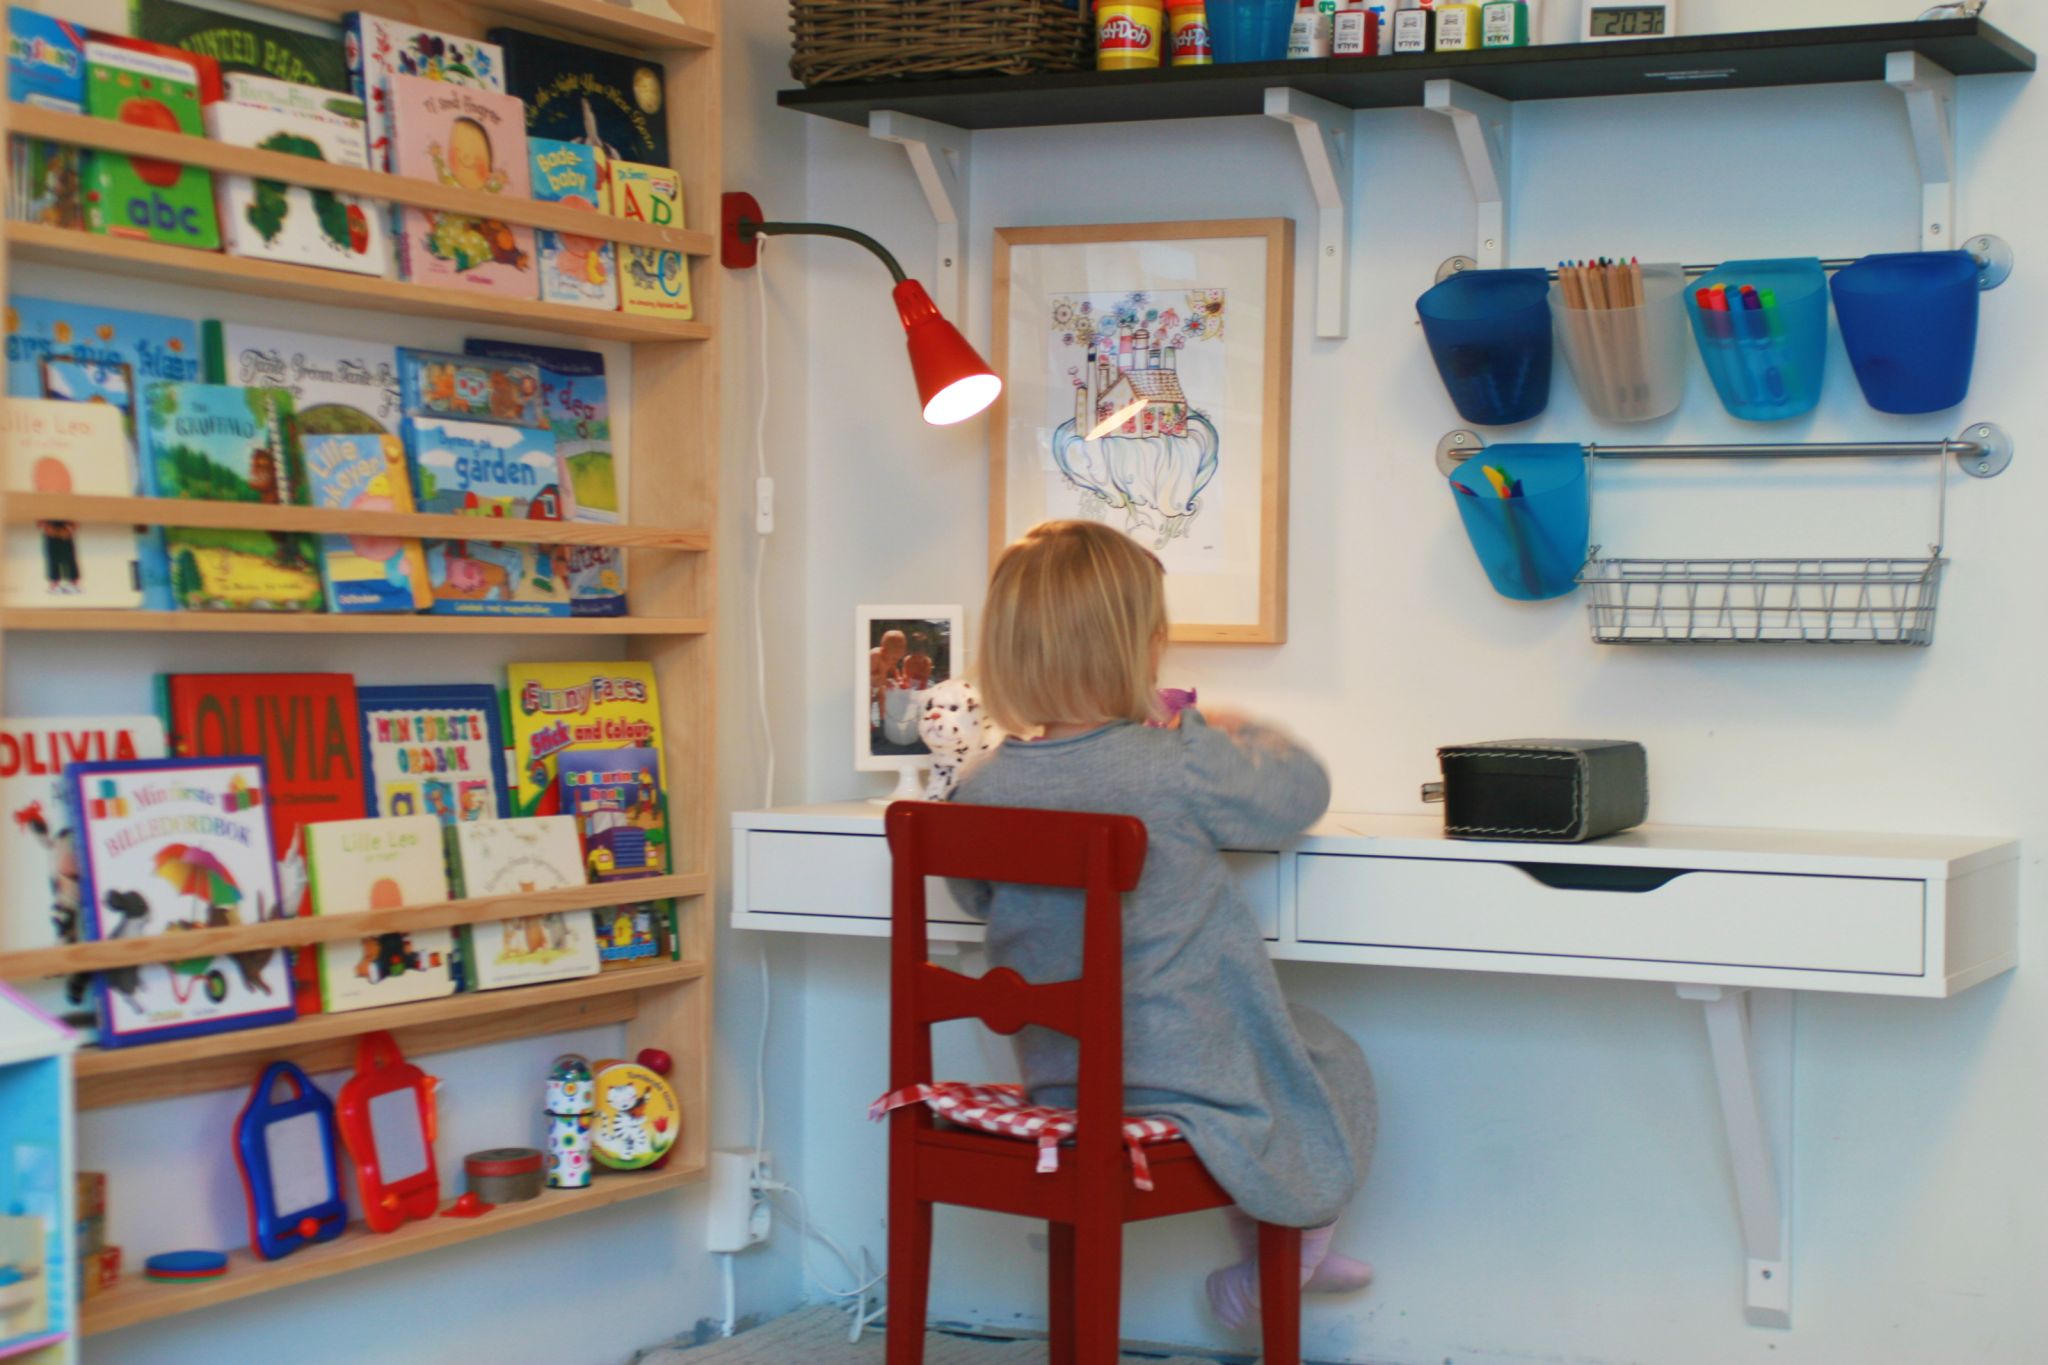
{"x": 871, "y": 40}
{"x": 1762, "y": 601}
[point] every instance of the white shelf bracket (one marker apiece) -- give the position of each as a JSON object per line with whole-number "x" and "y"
{"x": 1930, "y": 92}
{"x": 1750, "y": 1035}
{"x": 1324, "y": 131}
{"x": 1484, "y": 125}
{"x": 938, "y": 155}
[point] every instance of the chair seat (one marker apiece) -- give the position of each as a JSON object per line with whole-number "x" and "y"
{"x": 1007, "y": 1111}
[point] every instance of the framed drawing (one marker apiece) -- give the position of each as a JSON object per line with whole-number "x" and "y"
{"x": 1145, "y": 370}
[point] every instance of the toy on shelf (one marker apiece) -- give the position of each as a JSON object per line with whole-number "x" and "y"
{"x": 572, "y": 1110}
{"x": 638, "y": 1117}
{"x": 388, "y": 1121}
{"x": 177, "y": 1267}
{"x": 290, "y": 1162}
{"x": 503, "y": 1175}
{"x": 467, "y": 1206}
{"x": 99, "y": 1264}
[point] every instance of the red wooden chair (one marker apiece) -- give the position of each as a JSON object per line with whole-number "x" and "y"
{"x": 1090, "y": 1196}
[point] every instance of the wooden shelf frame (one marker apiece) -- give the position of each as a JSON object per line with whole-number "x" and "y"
{"x": 592, "y": 21}
{"x": 89, "y": 621}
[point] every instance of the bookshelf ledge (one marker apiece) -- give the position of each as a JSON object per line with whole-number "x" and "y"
{"x": 325, "y": 623}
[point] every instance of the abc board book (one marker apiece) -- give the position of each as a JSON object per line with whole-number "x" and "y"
{"x": 651, "y": 280}
{"x": 614, "y": 103}
{"x": 512, "y": 858}
{"x": 229, "y": 443}
{"x": 275, "y": 221}
{"x": 380, "y": 865}
{"x": 170, "y": 844}
{"x": 434, "y": 750}
{"x": 484, "y": 470}
{"x": 156, "y": 201}
{"x": 244, "y": 45}
{"x": 616, "y": 797}
{"x": 366, "y": 573}
{"x": 54, "y": 447}
{"x": 339, "y": 386}
{"x": 378, "y": 49}
{"x": 472, "y": 140}
{"x": 577, "y": 270}
{"x": 557, "y": 707}
{"x": 39, "y": 844}
{"x": 45, "y": 68}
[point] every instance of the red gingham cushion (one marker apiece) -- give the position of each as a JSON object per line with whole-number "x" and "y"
{"x": 1007, "y": 1111}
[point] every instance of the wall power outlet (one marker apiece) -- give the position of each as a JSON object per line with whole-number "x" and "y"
{"x": 737, "y": 1215}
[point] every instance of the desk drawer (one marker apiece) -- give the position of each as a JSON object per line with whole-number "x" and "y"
{"x": 1839, "y": 924}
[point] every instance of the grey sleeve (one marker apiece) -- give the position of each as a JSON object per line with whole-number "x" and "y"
{"x": 972, "y": 897}
{"x": 1254, "y": 789}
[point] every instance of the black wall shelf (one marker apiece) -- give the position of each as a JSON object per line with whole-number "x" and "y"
{"x": 1717, "y": 61}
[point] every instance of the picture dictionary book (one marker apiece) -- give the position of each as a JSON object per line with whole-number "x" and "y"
{"x": 492, "y": 472}
{"x": 39, "y": 868}
{"x": 230, "y": 443}
{"x": 378, "y": 49}
{"x": 140, "y": 197}
{"x": 171, "y": 844}
{"x": 271, "y": 220}
{"x": 557, "y": 707}
{"x": 46, "y": 69}
{"x": 54, "y": 447}
{"x": 380, "y": 865}
{"x": 616, "y": 798}
{"x": 651, "y": 280}
{"x": 244, "y": 45}
{"x": 472, "y": 140}
{"x": 366, "y": 573}
{"x": 514, "y": 857}
{"x": 610, "y": 102}
{"x": 339, "y": 386}
{"x": 573, "y": 269}
{"x": 434, "y": 750}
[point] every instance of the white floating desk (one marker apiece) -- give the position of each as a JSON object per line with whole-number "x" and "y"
{"x": 1716, "y": 912}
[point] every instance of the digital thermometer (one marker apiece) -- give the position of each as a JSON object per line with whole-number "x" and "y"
{"x": 1608, "y": 23}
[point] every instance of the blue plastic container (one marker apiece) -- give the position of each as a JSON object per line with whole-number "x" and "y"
{"x": 1250, "y": 30}
{"x": 1909, "y": 322}
{"x": 1489, "y": 333}
{"x": 1532, "y": 545}
{"x": 1766, "y": 361}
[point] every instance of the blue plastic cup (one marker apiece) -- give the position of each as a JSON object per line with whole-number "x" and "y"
{"x": 1532, "y": 545}
{"x": 1489, "y": 333}
{"x": 1909, "y": 323}
{"x": 1250, "y": 30}
{"x": 1766, "y": 359}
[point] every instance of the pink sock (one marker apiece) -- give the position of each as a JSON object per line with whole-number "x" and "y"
{"x": 1234, "y": 1290}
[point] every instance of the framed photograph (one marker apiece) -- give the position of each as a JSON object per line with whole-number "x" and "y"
{"x": 1145, "y": 375}
{"x": 900, "y": 653}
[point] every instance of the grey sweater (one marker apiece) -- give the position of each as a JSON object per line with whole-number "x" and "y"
{"x": 1276, "y": 1100}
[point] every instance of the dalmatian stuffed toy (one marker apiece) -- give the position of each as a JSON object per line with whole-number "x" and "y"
{"x": 957, "y": 728}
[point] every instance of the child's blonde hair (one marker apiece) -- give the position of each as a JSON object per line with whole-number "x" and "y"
{"x": 1075, "y": 611}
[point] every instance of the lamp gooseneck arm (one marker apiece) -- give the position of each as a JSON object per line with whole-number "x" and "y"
{"x": 748, "y": 228}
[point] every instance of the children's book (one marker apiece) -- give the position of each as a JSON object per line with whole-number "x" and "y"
{"x": 169, "y": 844}
{"x": 366, "y": 573}
{"x": 138, "y": 197}
{"x": 45, "y": 68}
{"x": 229, "y": 443}
{"x": 339, "y": 386}
{"x": 380, "y": 865}
{"x": 377, "y": 49}
{"x": 633, "y": 935}
{"x": 39, "y": 872}
{"x": 558, "y": 707}
{"x": 613, "y": 103}
{"x": 472, "y": 140}
{"x": 509, "y": 858}
{"x": 54, "y": 447}
{"x": 651, "y": 280}
{"x": 573, "y": 269}
{"x": 620, "y": 810}
{"x": 484, "y": 470}
{"x": 275, "y": 221}
{"x": 244, "y": 45}
{"x": 470, "y": 387}
{"x": 434, "y": 750}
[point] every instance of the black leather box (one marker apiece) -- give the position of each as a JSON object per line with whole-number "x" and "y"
{"x": 1546, "y": 791}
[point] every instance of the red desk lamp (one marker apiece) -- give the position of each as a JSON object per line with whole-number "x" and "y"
{"x": 953, "y": 382}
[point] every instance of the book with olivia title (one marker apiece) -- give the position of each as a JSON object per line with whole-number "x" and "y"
{"x": 367, "y": 573}
{"x": 357, "y": 865}
{"x": 471, "y": 140}
{"x": 573, "y": 269}
{"x": 514, "y": 858}
{"x": 58, "y": 447}
{"x": 651, "y": 280}
{"x": 559, "y": 707}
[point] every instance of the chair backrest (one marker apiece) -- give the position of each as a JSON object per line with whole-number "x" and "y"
{"x": 1101, "y": 856}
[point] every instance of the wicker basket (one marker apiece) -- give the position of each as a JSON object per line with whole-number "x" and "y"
{"x": 870, "y": 40}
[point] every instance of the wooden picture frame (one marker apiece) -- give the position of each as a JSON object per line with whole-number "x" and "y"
{"x": 1171, "y": 473}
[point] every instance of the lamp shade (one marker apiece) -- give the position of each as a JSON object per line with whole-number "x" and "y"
{"x": 953, "y": 381}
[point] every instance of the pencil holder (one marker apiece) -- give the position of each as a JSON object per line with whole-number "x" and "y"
{"x": 1909, "y": 323}
{"x": 1250, "y": 30}
{"x": 1629, "y": 363}
{"x": 1532, "y": 543}
{"x": 1762, "y": 328}
{"x": 1489, "y": 333}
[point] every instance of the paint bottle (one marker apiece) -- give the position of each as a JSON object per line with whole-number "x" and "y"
{"x": 1504, "y": 23}
{"x": 1356, "y": 32}
{"x": 1457, "y": 26}
{"x": 1309, "y": 38}
{"x": 1188, "y": 22}
{"x": 572, "y": 1110}
{"x": 1128, "y": 36}
{"x": 1414, "y": 29}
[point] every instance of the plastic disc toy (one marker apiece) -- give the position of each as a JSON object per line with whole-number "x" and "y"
{"x": 186, "y": 1265}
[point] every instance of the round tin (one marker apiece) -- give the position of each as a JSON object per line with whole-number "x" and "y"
{"x": 504, "y": 1175}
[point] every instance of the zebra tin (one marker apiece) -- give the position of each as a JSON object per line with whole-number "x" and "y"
{"x": 572, "y": 1113}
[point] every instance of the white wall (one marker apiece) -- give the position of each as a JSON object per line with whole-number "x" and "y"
{"x": 1551, "y": 1184}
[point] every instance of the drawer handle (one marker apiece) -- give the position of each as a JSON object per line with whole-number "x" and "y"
{"x": 1597, "y": 877}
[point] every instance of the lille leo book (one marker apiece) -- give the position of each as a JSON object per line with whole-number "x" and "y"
{"x": 471, "y": 140}
{"x": 651, "y": 280}
{"x": 138, "y": 197}
{"x": 434, "y": 750}
{"x": 339, "y": 386}
{"x": 367, "y": 573}
{"x": 378, "y": 49}
{"x": 380, "y": 865}
{"x": 575, "y": 270}
{"x": 515, "y": 857}
{"x": 270, "y": 220}
{"x": 488, "y": 471}
{"x": 170, "y": 844}
{"x": 616, "y": 797}
{"x": 54, "y": 447}
{"x": 557, "y": 707}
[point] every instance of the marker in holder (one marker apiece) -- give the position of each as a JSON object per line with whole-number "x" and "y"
{"x": 1526, "y": 509}
{"x": 1626, "y": 353}
{"x": 1909, "y": 323}
{"x": 1489, "y": 333}
{"x": 1762, "y": 328}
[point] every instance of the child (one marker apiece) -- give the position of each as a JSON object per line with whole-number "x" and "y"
{"x": 1278, "y": 1103}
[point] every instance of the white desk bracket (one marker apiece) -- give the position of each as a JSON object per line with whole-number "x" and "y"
{"x": 1323, "y": 129}
{"x": 1930, "y": 92}
{"x": 1484, "y": 125}
{"x": 1750, "y": 1035}
{"x": 938, "y": 156}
